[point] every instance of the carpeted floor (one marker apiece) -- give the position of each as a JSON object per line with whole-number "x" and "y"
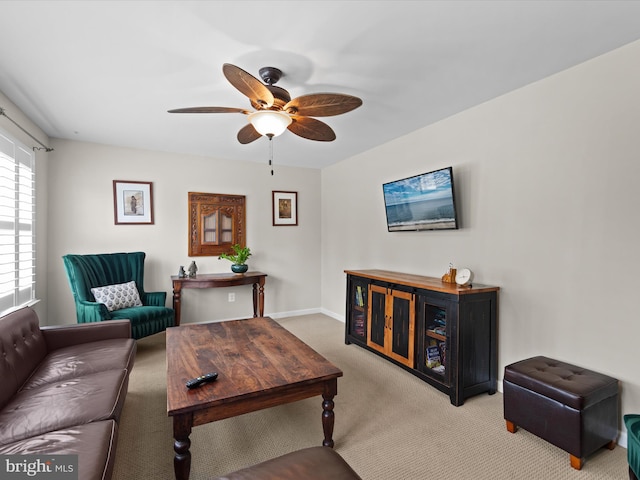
{"x": 388, "y": 425}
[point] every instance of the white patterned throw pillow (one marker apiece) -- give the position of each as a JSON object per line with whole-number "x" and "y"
{"x": 116, "y": 297}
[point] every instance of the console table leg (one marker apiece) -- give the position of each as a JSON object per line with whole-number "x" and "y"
{"x": 261, "y": 298}
{"x": 255, "y": 300}
{"x": 176, "y": 304}
{"x": 181, "y": 445}
{"x": 258, "y": 299}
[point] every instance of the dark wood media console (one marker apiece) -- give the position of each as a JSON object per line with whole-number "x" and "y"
{"x": 442, "y": 333}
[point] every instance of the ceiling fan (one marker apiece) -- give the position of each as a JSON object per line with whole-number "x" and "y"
{"x": 275, "y": 111}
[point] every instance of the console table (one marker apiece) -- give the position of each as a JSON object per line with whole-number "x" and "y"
{"x": 217, "y": 280}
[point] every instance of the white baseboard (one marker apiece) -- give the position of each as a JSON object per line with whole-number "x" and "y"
{"x": 310, "y": 311}
{"x": 333, "y": 315}
{"x": 622, "y": 439}
{"x": 293, "y": 313}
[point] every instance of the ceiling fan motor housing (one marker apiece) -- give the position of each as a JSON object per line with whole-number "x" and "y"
{"x": 270, "y": 75}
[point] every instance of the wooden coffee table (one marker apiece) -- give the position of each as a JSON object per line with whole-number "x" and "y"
{"x": 260, "y": 365}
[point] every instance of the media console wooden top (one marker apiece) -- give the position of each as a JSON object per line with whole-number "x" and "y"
{"x": 420, "y": 281}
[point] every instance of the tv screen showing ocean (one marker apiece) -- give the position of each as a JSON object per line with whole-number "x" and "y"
{"x": 423, "y": 202}
{"x": 425, "y": 214}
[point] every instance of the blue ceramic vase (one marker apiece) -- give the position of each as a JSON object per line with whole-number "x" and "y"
{"x": 239, "y": 268}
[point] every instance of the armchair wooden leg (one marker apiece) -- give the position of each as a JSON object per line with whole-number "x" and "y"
{"x": 512, "y": 427}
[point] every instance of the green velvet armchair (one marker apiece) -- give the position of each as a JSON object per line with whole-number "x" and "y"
{"x": 85, "y": 272}
{"x": 632, "y": 422}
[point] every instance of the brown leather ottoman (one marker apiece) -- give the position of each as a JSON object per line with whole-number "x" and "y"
{"x": 314, "y": 463}
{"x": 571, "y": 407}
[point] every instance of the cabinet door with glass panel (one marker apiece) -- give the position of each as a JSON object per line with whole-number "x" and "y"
{"x": 391, "y": 320}
{"x": 357, "y": 301}
{"x": 437, "y": 324}
{"x": 216, "y": 222}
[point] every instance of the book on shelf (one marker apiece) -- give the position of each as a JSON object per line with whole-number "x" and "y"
{"x": 438, "y": 330}
{"x": 358, "y": 324}
{"x": 359, "y": 296}
{"x": 438, "y": 315}
{"x": 433, "y": 356}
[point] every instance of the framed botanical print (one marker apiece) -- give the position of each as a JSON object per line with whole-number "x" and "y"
{"x": 132, "y": 202}
{"x": 285, "y": 208}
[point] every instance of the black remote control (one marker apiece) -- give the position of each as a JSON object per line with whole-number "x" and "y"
{"x": 201, "y": 380}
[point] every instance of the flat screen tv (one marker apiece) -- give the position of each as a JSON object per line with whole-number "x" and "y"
{"x": 421, "y": 202}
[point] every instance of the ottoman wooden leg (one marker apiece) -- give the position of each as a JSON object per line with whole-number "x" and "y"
{"x": 611, "y": 445}
{"x": 512, "y": 427}
{"x": 576, "y": 462}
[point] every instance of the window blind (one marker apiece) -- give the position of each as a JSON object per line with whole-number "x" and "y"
{"x": 17, "y": 223}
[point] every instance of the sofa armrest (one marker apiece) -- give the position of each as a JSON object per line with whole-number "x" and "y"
{"x": 60, "y": 336}
{"x": 155, "y": 299}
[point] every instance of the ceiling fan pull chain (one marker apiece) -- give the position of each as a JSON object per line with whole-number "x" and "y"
{"x": 270, "y": 152}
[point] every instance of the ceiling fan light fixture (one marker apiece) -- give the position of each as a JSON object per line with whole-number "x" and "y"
{"x": 276, "y": 111}
{"x": 270, "y": 122}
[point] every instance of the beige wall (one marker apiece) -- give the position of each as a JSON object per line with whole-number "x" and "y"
{"x": 546, "y": 178}
{"x": 546, "y": 182}
{"x": 81, "y": 221}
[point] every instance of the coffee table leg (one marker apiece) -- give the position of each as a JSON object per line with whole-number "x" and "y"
{"x": 181, "y": 444}
{"x": 328, "y": 417}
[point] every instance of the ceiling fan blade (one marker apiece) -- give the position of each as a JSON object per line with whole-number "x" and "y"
{"x": 322, "y": 104}
{"x": 248, "y": 134}
{"x": 248, "y": 85}
{"x": 209, "y": 110}
{"x": 311, "y": 129}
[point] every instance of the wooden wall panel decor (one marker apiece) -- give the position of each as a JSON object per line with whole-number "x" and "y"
{"x": 216, "y": 222}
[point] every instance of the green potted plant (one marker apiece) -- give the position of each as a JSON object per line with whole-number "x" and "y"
{"x": 239, "y": 259}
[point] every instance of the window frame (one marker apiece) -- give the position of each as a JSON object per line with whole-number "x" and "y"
{"x": 17, "y": 248}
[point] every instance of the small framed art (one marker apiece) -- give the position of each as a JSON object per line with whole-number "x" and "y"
{"x": 132, "y": 202}
{"x": 285, "y": 208}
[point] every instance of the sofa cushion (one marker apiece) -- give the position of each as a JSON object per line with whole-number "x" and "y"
{"x": 119, "y": 296}
{"x": 83, "y": 359}
{"x": 64, "y": 404}
{"x": 94, "y": 443}
{"x": 22, "y": 348}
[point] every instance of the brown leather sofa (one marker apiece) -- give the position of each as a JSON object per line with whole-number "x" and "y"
{"x": 63, "y": 389}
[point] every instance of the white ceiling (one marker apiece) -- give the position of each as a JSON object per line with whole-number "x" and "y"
{"x": 107, "y": 72}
